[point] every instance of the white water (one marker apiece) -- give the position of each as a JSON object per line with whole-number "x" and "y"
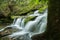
{"x": 36, "y": 13}
{"x": 31, "y": 28}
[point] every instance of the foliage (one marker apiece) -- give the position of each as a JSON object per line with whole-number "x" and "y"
{"x": 10, "y": 8}
{"x": 19, "y": 7}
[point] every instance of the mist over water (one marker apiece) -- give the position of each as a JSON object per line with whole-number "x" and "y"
{"x": 31, "y": 28}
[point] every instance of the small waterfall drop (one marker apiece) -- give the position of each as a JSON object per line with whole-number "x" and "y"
{"x": 17, "y": 23}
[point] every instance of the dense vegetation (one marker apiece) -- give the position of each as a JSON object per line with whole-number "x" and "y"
{"x": 9, "y": 9}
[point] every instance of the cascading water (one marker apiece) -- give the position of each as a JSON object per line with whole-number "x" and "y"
{"x": 38, "y": 25}
{"x": 29, "y": 29}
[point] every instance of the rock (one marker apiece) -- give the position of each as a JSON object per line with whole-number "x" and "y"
{"x": 29, "y": 18}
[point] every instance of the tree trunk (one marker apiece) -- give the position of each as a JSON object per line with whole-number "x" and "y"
{"x": 53, "y": 28}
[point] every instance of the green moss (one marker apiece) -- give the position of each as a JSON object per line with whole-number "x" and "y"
{"x": 13, "y": 17}
{"x": 42, "y": 8}
{"x": 29, "y": 18}
{"x": 44, "y": 5}
{"x": 30, "y": 13}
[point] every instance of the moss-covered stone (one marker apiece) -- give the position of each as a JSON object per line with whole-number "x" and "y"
{"x": 13, "y": 17}
{"x": 29, "y": 18}
{"x": 30, "y": 13}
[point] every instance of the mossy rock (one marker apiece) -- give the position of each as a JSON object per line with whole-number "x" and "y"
{"x": 29, "y": 18}
{"x": 13, "y": 17}
{"x": 30, "y": 13}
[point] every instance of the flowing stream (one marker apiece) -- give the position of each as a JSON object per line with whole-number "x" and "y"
{"x": 31, "y": 28}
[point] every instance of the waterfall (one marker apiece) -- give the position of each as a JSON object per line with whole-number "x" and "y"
{"x": 31, "y": 28}
{"x": 17, "y": 23}
{"x": 38, "y": 25}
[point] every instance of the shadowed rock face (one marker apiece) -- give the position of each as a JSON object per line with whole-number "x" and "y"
{"x": 39, "y": 37}
{"x": 1, "y": 15}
